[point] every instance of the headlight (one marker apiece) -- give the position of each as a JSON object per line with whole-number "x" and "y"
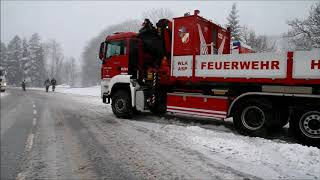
{"x": 4, "y": 84}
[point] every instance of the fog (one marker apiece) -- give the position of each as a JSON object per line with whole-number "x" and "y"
{"x": 74, "y": 23}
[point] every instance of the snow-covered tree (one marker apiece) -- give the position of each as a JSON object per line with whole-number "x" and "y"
{"x": 54, "y": 57}
{"x": 258, "y": 43}
{"x": 41, "y": 61}
{"x": 72, "y": 71}
{"x": 13, "y": 64}
{"x": 59, "y": 75}
{"x": 305, "y": 33}
{"x": 233, "y": 22}
{"x": 36, "y": 71}
{"x": 69, "y": 71}
{"x": 3, "y": 55}
{"x": 25, "y": 59}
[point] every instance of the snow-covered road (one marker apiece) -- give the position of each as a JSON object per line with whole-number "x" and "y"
{"x": 78, "y": 137}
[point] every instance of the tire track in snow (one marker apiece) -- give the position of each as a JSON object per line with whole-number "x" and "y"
{"x": 30, "y": 140}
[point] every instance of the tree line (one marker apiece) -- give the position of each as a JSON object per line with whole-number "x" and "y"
{"x": 304, "y": 34}
{"x": 246, "y": 35}
{"x": 34, "y": 60}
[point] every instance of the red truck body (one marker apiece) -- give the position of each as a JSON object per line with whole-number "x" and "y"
{"x": 186, "y": 67}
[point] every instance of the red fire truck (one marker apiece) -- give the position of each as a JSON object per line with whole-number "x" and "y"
{"x": 185, "y": 66}
{"x": 240, "y": 48}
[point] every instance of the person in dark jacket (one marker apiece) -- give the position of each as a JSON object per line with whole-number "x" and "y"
{"x": 53, "y": 83}
{"x": 47, "y": 84}
{"x": 23, "y": 84}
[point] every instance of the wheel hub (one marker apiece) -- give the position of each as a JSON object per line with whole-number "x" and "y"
{"x": 253, "y": 118}
{"x": 310, "y": 124}
{"x": 120, "y": 104}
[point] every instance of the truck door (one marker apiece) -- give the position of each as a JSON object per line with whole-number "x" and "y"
{"x": 116, "y": 61}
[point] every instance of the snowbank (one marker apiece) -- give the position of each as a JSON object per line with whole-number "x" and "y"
{"x": 88, "y": 91}
{"x": 260, "y": 157}
{"x": 2, "y": 94}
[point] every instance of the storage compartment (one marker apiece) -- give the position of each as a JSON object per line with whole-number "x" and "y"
{"x": 141, "y": 100}
{"x": 198, "y": 105}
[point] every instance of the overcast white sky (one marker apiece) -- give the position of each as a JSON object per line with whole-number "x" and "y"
{"x": 74, "y": 23}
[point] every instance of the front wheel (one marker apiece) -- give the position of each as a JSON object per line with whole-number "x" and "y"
{"x": 305, "y": 125}
{"x": 121, "y": 104}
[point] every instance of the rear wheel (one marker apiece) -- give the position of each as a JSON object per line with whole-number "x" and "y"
{"x": 305, "y": 125}
{"x": 252, "y": 115}
{"x": 121, "y": 104}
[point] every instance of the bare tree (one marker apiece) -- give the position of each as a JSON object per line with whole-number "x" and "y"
{"x": 305, "y": 33}
{"x": 54, "y": 58}
{"x": 154, "y": 15}
{"x": 257, "y": 43}
{"x": 70, "y": 70}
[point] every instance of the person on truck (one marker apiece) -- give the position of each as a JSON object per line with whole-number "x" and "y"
{"x": 23, "y": 84}
{"x": 47, "y": 84}
{"x": 53, "y": 83}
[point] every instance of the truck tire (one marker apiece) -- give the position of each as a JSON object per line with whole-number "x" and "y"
{"x": 280, "y": 120}
{"x": 284, "y": 119}
{"x": 305, "y": 126}
{"x": 121, "y": 104}
{"x": 250, "y": 116}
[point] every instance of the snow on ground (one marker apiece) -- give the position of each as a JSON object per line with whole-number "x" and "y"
{"x": 88, "y": 91}
{"x": 268, "y": 159}
{"x": 256, "y": 156}
{"x": 2, "y": 94}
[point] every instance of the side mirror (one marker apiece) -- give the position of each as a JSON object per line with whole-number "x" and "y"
{"x": 102, "y": 51}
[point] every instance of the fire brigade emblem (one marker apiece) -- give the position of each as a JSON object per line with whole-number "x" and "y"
{"x": 184, "y": 35}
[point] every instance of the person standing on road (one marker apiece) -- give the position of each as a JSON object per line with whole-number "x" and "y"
{"x": 23, "y": 84}
{"x": 53, "y": 83}
{"x": 47, "y": 84}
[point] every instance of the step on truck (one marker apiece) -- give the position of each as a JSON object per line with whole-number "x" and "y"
{"x": 185, "y": 66}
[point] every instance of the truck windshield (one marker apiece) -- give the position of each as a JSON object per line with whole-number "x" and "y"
{"x": 1, "y": 72}
{"x": 116, "y": 48}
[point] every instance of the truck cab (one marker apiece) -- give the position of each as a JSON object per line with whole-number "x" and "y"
{"x": 130, "y": 59}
